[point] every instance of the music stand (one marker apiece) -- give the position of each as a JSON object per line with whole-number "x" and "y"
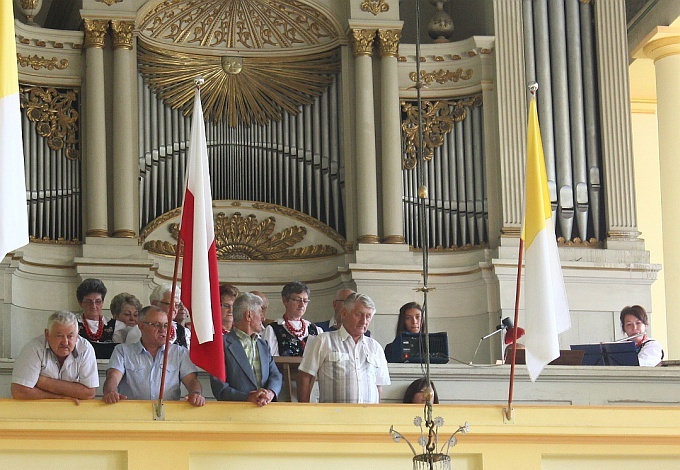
{"x": 608, "y": 354}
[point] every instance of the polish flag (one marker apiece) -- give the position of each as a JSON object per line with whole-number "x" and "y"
{"x": 200, "y": 277}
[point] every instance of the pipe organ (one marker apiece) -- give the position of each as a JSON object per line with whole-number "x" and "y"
{"x": 295, "y": 162}
{"x": 50, "y": 129}
{"x": 560, "y": 53}
{"x": 453, "y": 173}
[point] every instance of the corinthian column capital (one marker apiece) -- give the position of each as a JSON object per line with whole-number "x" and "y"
{"x": 388, "y": 42}
{"x": 122, "y": 34}
{"x": 95, "y": 32}
{"x": 362, "y": 41}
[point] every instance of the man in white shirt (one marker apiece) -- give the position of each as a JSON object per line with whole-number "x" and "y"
{"x": 350, "y": 367}
{"x": 58, "y": 364}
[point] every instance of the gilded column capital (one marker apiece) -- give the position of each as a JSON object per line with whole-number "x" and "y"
{"x": 122, "y": 34}
{"x": 586, "y": 2}
{"x": 95, "y": 32}
{"x": 388, "y": 42}
{"x": 362, "y": 41}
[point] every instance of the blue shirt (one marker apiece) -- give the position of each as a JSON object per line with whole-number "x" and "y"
{"x": 142, "y": 373}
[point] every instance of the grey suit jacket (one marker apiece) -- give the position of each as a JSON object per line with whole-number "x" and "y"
{"x": 240, "y": 376}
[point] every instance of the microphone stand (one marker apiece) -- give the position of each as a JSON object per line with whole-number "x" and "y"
{"x": 482, "y": 339}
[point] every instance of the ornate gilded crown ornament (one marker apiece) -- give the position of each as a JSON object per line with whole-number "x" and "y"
{"x": 246, "y": 238}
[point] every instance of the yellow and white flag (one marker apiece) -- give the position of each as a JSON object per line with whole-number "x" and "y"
{"x": 546, "y": 313}
{"x": 13, "y": 214}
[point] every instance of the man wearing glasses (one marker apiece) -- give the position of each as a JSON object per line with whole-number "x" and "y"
{"x": 288, "y": 335}
{"x": 161, "y": 297}
{"x": 135, "y": 369}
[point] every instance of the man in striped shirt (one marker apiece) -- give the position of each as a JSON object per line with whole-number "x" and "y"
{"x": 350, "y": 367}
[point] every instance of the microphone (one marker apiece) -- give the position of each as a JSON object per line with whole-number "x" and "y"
{"x": 506, "y": 323}
{"x": 513, "y": 332}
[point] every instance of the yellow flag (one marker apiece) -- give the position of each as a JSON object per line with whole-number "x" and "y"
{"x": 546, "y": 313}
{"x": 13, "y": 213}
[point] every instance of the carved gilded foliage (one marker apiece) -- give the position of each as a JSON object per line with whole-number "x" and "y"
{"x": 55, "y": 115}
{"x": 438, "y": 118}
{"x": 36, "y": 63}
{"x": 375, "y": 6}
{"x": 247, "y": 238}
{"x": 441, "y": 76}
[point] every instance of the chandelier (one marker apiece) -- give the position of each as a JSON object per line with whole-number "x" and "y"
{"x": 433, "y": 456}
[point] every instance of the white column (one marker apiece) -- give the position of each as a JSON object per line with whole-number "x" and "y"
{"x": 364, "y": 125}
{"x": 94, "y": 162}
{"x": 393, "y": 219}
{"x": 125, "y": 172}
{"x": 664, "y": 49}
{"x": 512, "y": 113}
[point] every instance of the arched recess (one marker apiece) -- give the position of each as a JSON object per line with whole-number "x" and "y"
{"x": 271, "y": 100}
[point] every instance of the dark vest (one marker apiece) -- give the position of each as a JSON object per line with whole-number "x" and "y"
{"x": 103, "y": 347}
{"x": 289, "y": 344}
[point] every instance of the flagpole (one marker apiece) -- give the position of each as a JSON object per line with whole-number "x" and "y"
{"x": 520, "y": 259}
{"x": 158, "y": 408}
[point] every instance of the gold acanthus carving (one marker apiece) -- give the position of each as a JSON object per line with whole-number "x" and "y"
{"x": 438, "y": 118}
{"x": 310, "y": 221}
{"x": 388, "y": 42}
{"x": 122, "y": 34}
{"x": 375, "y": 6}
{"x": 55, "y": 116}
{"x": 110, "y": 2}
{"x": 36, "y": 63}
{"x": 246, "y": 238}
{"x": 441, "y": 76}
{"x": 95, "y": 32}
{"x": 244, "y": 90}
{"x": 362, "y": 41}
{"x": 238, "y": 24}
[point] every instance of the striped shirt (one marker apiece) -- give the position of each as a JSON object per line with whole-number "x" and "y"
{"x": 347, "y": 372}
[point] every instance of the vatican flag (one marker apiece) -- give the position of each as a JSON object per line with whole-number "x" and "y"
{"x": 13, "y": 213}
{"x": 546, "y": 313}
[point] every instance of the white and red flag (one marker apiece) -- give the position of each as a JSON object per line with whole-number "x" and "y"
{"x": 200, "y": 277}
{"x": 13, "y": 213}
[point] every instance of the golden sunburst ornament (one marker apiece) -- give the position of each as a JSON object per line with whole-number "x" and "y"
{"x": 238, "y": 89}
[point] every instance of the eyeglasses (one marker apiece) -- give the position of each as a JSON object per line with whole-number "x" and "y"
{"x": 299, "y": 301}
{"x": 93, "y": 302}
{"x": 227, "y": 306}
{"x": 156, "y": 325}
{"x": 176, "y": 304}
